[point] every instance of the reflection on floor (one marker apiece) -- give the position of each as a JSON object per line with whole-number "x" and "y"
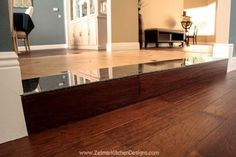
{"x": 61, "y": 99}
{"x": 49, "y": 62}
{"x": 67, "y": 79}
{"x": 195, "y": 121}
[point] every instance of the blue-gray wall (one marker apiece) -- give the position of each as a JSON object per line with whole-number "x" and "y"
{"x": 49, "y": 29}
{"x": 5, "y": 35}
{"x": 232, "y": 36}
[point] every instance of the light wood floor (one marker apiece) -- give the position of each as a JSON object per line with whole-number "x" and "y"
{"x": 44, "y": 64}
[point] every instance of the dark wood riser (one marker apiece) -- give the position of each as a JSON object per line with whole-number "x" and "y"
{"x": 52, "y": 109}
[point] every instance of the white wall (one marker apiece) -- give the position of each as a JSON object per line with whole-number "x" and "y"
{"x": 12, "y": 122}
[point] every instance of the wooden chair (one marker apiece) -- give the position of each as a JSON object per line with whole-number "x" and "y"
{"x": 194, "y": 36}
{"x": 13, "y": 32}
{"x": 15, "y": 35}
{"x": 22, "y": 35}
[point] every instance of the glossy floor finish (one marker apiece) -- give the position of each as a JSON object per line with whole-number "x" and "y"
{"x": 67, "y": 79}
{"x": 197, "y": 120}
{"x": 51, "y": 108}
{"x": 49, "y": 62}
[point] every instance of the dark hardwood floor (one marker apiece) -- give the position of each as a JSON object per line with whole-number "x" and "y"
{"x": 197, "y": 120}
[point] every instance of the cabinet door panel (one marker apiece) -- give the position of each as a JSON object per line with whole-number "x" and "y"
{"x": 92, "y": 32}
{"x": 84, "y": 32}
{"x": 73, "y": 35}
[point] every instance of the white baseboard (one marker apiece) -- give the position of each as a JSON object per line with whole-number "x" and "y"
{"x": 226, "y": 51}
{"x": 8, "y": 59}
{"x": 88, "y": 47}
{"x": 232, "y": 64}
{"x": 44, "y": 47}
{"x": 12, "y": 122}
{"x": 122, "y": 46}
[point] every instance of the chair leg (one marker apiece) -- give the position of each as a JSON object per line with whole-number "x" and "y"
{"x": 27, "y": 41}
{"x": 15, "y": 41}
{"x": 187, "y": 41}
{"x": 15, "y": 44}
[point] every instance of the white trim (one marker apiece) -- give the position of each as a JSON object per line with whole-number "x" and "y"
{"x": 87, "y": 47}
{"x": 45, "y": 47}
{"x": 122, "y": 46}
{"x": 232, "y": 65}
{"x": 8, "y": 56}
{"x": 8, "y": 59}
{"x": 225, "y": 50}
{"x": 12, "y": 122}
{"x": 232, "y": 59}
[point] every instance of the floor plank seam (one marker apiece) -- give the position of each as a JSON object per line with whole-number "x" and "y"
{"x": 208, "y": 134}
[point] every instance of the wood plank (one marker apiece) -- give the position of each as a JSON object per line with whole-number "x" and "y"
{"x": 225, "y": 106}
{"x": 176, "y": 140}
{"x": 209, "y": 89}
{"x": 82, "y": 135}
{"x": 180, "y": 94}
{"x": 221, "y": 142}
{"x": 52, "y": 109}
{"x": 84, "y": 60}
{"x": 155, "y": 84}
{"x": 143, "y": 128}
{"x": 57, "y": 146}
{"x": 213, "y": 136}
{"x": 97, "y": 125}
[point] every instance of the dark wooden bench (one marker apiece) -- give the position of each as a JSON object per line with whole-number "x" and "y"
{"x": 157, "y": 36}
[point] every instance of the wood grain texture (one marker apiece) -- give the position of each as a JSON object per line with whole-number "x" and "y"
{"x": 51, "y": 109}
{"x": 221, "y": 142}
{"x": 177, "y": 139}
{"x": 224, "y": 107}
{"x": 190, "y": 104}
{"x": 155, "y": 84}
{"x": 49, "y": 62}
{"x": 197, "y": 120}
{"x": 55, "y": 108}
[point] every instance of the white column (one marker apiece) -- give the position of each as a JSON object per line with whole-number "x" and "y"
{"x": 12, "y": 122}
{"x": 226, "y": 51}
{"x": 223, "y": 13}
{"x": 223, "y": 19}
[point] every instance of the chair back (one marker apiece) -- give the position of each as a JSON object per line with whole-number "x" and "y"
{"x": 29, "y": 11}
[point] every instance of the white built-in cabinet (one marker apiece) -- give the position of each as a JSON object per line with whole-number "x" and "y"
{"x": 88, "y": 24}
